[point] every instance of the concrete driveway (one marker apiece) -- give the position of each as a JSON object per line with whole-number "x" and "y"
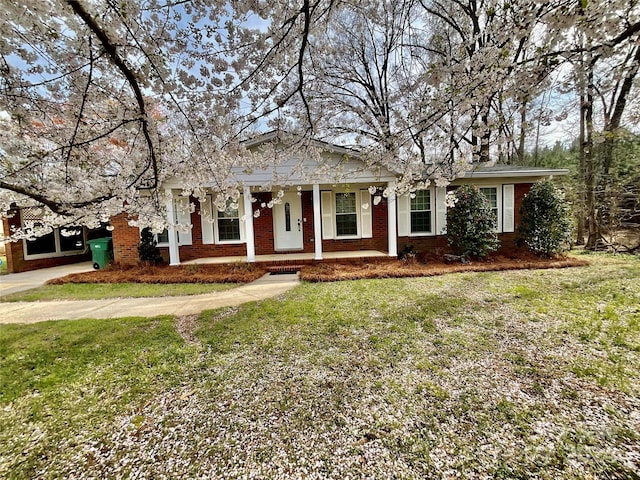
{"x": 17, "y": 282}
{"x": 30, "y": 312}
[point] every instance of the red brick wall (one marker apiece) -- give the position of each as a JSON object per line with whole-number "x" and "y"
{"x": 308, "y": 227}
{"x": 263, "y": 225}
{"x": 520, "y": 190}
{"x": 15, "y": 252}
{"x": 126, "y": 239}
{"x": 197, "y": 249}
{"x": 434, "y": 244}
{"x": 379, "y": 241}
{"x": 508, "y": 240}
{"x": 438, "y": 244}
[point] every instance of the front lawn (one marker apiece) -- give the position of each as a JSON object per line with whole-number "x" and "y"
{"x": 98, "y": 291}
{"x": 525, "y": 374}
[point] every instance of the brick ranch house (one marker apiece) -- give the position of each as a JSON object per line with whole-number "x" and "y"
{"x": 319, "y": 218}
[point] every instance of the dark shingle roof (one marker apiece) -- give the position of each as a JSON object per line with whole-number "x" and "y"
{"x": 480, "y": 170}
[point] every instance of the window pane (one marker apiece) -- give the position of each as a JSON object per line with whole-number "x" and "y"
{"x": 420, "y": 222}
{"x": 228, "y": 229}
{"x": 492, "y": 196}
{"x": 347, "y": 224}
{"x": 287, "y": 217}
{"x": 422, "y": 201}
{"x": 44, "y": 244}
{"x": 421, "y": 212}
{"x": 163, "y": 237}
{"x": 346, "y": 202}
{"x": 228, "y": 213}
{"x": 71, "y": 239}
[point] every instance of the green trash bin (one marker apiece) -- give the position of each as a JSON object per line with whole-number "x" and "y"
{"x": 101, "y": 252}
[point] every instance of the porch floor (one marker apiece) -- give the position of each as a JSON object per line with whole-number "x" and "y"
{"x": 292, "y": 257}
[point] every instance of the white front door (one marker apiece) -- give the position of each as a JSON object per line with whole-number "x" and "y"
{"x": 288, "y": 224}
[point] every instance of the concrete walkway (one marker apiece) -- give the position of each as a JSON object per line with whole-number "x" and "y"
{"x": 17, "y": 282}
{"x": 31, "y": 312}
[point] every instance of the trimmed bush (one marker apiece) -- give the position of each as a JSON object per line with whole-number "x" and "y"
{"x": 545, "y": 221}
{"x": 147, "y": 248}
{"x": 471, "y": 223}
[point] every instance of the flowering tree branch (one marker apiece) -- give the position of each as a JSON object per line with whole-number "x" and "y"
{"x": 112, "y": 51}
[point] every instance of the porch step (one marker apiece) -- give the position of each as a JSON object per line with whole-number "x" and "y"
{"x": 279, "y": 269}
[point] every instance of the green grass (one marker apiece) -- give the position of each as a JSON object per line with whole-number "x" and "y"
{"x": 492, "y": 375}
{"x": 97, "y": 291}
{"x": 600, "y": 307}
{"x": 61, "y": 378}
{"x": 3, "y": 267}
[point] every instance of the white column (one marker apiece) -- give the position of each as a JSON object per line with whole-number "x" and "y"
{"x": 174, "y": 252}
{"x": 317, "y": 222}
{"x": 392, "y": 224}
{"x": 248, "y": 226}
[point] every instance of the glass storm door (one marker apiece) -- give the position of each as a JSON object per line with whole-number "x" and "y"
{"x": 288, "y": 223}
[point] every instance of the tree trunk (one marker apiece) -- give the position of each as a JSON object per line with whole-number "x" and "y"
{"x": 523, "y": 126}
{"x": 611, "y": 128}
{"x": 590, "y": 167}
{"x": 580, "y": 229}
{"x": 485, "y": 139}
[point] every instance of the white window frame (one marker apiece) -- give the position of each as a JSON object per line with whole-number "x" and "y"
{"x": 212, "y": 214}
{"x": 181, "y": 241}
{"x": 159, "y": 243}
{"x": 404, "y": 214}
{"x": 240, "y": 238}
{"x": 58, "y": 252}
{"x": 357, "y": 212}
{"x": 432, "y": 213}
{"x": 364, "y": 216}
{"x": 499, "y": 205}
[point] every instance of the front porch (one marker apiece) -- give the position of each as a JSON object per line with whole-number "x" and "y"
{"x": 296, "y": 258}
{"x": 308, "y": 224}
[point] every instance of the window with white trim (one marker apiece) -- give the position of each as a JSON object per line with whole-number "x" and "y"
{"x": 57, "y": 243}
{"x": 346, "y": 214}
{"x": 228, "y": 222}
{"x": 162, "y": 238}
{"x": 181, "y": 214}
{"x": 421, "y": 212}
{"x": 491, "y": 194}
{"x": 222, "y": 226}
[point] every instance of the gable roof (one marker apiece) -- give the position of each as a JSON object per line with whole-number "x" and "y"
{"x": 274, "y": 136}
{"x": 477, "y": 170}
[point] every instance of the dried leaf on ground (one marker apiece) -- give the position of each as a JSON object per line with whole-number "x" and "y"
{"x": 218, "y": 273}
{"x": 329, "y": 272}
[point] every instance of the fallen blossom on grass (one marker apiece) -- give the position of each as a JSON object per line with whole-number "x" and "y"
{"x": 521, "y": 374}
